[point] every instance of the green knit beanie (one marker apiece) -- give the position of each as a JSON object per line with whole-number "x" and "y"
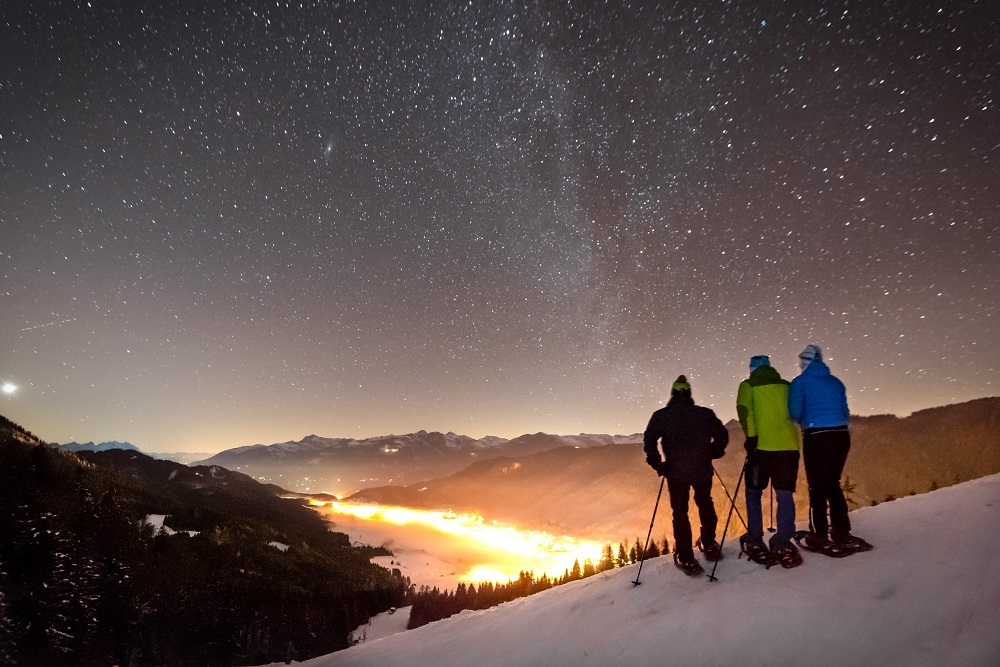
{"x": 681, "y": 384}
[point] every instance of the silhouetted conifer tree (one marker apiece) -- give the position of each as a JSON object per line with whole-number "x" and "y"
{"x": 607, "y": 561}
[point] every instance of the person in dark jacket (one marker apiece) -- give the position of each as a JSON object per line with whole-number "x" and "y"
{"x": 817, "y": 401}
{"x": 680, "y": 442}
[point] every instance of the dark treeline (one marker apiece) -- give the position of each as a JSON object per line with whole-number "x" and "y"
{"x": 84, "y": 579}
{"x": 433, "y": 604}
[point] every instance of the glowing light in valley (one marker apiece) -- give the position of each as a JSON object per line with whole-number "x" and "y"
{"x": 518, "y": 550}
{"x": 8, "y": 388}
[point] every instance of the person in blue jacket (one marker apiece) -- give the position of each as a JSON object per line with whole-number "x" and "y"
{"x": 817, "y": 401}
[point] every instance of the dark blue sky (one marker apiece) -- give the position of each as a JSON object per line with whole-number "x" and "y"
{"x": 235, "y": 222}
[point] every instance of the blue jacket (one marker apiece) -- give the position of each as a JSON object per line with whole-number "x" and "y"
{"x": 817, "y": 399}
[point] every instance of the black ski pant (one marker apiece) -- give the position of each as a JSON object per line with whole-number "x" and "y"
{"x": 824, "y": 452}
{"x": 679, "y": 494}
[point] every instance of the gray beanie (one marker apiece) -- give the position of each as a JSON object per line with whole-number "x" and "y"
{"x": 807, "y": 355}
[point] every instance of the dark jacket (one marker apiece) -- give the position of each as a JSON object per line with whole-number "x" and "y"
{"x": 691, "y": 436}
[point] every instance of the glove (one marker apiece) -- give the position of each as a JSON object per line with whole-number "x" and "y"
{"x": 662, "y": 469}
{"x": 750, "y": 444}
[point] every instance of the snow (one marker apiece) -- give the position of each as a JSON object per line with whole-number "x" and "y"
{"x": 928, "y": 594}
{"x": 156, "y": 521}
{"x": 278, "y": 545}
{"x": 381, "y": 626}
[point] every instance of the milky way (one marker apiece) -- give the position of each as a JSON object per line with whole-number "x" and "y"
{"x": 236, "y": 222}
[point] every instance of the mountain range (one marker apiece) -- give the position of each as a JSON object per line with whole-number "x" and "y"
{"x": 343, "y": 465}
{"x": 92, "y": 447}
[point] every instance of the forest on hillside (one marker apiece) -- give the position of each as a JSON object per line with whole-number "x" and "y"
{"x": 250, "y": 578}
{"x": 431, "y": 604}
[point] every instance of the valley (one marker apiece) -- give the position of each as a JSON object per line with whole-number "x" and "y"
{"x": 443, "y": 549}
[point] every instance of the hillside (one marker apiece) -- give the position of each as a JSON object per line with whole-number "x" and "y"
{"x": 929, "y": 594}
{"x": 894, "y": 456}
{"x": 607, "y": 493}
{"x": 248, "y": 578}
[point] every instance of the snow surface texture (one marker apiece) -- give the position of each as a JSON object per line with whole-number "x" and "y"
{"x": 929, "y": 594}
{"x": 383, "y": 625}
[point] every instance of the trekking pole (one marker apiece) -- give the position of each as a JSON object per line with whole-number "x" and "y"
{"x": 739, "y": 483}
{"x": 636, "y": 582}
{"x": 731, "y": 499}
{"x": 770, "y": 528}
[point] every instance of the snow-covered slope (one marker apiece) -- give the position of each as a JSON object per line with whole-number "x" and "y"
{"x": 929, "y": 594}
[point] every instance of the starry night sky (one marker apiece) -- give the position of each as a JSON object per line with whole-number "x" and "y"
{"x": 226, "y": 223}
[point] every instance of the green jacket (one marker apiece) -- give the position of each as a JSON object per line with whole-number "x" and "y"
{"x": 762, "y": 407}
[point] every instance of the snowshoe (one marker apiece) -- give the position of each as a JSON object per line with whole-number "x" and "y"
{"x": 817, "y": 544}
{"x": 712, "y": 552}
{"x": 688, "y": 567}
{"x": 855, "y": 544}
{"x": 787, "y": 556}
{"x": 756, "y": 552}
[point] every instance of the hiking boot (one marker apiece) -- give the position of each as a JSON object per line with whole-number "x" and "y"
{"x": 689, "y": 565}
{"x": 787, "y": 555}
{"x": 711, "y": 550}
{"x": 845, "y": 539}
{"x": 817, "y": 542}
{"x": 755, "y": 551}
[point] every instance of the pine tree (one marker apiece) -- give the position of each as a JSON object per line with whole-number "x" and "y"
{"x": 607, "y": 561}
{"x": 622, "y": 556}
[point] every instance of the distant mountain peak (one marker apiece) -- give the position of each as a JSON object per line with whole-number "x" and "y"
{"x": 91, "y": 447}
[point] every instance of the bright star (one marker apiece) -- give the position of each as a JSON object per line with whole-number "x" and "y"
{"x": 8, "y": 388}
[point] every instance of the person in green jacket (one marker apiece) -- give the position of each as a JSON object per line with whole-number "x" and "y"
{"x": 772, "y": 444}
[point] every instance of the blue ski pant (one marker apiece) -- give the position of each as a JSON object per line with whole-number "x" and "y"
{"x": 780, "y": 470}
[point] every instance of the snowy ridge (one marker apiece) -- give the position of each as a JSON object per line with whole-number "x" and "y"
{"x": 387, "y": 443}
{"x": 597, "y": 440}
{"x": 929, "y": 594}
{"x": 414, "y": 441}
{"x": 93, "y": 447}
